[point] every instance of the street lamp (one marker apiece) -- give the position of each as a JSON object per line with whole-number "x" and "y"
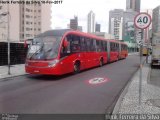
{"x": 8, "y": 39}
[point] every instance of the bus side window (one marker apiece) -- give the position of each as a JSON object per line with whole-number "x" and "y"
{"x": 88, "y": 43}
{"x": 75, "y": 46}
{"x": 117, "y": 47}
{"x": 110, "y": 46}
{"x": 99, "y": 46}
{"x": 106, "y": 46}
{"x": 82, "y": 44}
{"x": 66, "y": 49}
{"x": 94, "y": 45}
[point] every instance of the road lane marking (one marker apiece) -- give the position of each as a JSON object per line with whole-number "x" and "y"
{"x": 97, "y": 80}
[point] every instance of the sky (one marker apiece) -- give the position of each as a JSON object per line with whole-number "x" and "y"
{"x": 62, "y": 13}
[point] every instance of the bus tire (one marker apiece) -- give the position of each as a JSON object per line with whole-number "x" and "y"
{"x": 76, "y": 67}
{"x": 101, "y": 62}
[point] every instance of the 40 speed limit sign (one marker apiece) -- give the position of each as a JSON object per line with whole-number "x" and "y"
{"x": 142, "y": 20}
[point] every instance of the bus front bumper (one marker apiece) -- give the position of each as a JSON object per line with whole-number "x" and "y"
{"x": 42, "y": 70}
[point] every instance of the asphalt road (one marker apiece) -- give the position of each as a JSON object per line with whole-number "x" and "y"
{"x": 69, "y": 94}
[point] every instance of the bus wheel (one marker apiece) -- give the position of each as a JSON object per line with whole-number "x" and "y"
{"x": 76, "y": 67}
{"x": 101, "y": 62}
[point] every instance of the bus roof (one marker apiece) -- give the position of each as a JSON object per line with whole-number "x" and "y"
{"x": 57, "y": 32}
{"x": 61, "y": 32}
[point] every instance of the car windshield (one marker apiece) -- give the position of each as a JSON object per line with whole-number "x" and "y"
{"x": 44, "y": 48}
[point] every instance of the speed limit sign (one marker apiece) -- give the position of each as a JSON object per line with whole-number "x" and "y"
{"x": 142, "y": 20}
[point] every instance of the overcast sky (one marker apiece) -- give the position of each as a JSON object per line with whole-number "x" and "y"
{"x": 62, "y": 13}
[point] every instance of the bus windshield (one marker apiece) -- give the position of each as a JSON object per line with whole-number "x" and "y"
{"x": 44, "y": 48}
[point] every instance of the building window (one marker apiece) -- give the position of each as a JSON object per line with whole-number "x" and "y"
{"x": 28, "y": 35}
{"x": 27, "y": 29}
{"x": 28, "y": 10}
{"x": 27, "y": 23}
{"x": 27, "y": 16}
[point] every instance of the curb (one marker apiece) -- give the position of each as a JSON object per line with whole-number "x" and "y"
{"x": 12, "y": 76}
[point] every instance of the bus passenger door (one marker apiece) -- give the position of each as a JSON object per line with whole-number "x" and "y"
{"x": 65, "y": 56}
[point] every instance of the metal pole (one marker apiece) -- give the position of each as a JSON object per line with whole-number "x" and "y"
{"x": 147, "y": 36}
{"x": 140, "y": 74}
{"x": 8, "y": 43}
{"x": 148, "y": 50}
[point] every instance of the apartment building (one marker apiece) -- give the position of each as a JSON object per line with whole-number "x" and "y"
{"x": 135, "y": 5}
{"x": 25, "y": 21}
{"x": 74, "y": 23}
{"x": 116, "y": 23}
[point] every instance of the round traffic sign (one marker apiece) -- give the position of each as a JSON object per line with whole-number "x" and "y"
{"x": 142, "y": 20}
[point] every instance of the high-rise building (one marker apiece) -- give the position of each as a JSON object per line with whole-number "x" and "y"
{"x": 147, "y": 32}
{"x": 128, "y": 25}
{"x": 74, "y": 23}
{"x": 98, "y": 27}
{"x": 116, "y": 23}
{"x": 156, "y": 20}
{"x": 130, "y": 32}
{"x": 80, "y": 28}
{"x": 104, "y": 35}
{"x": 156, "y": 25}
{"x": 91, "y": 22}
{"x": 133, "y": 4}
{"x": 25, "y": 21}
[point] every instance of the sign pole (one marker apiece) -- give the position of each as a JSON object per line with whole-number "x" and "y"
{"x": 141, "y": 21}
{"x": 141, "y": 65}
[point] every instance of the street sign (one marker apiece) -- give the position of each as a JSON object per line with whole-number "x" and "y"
{"x": 142, "y": 20}
{"x": 140, "y": 43}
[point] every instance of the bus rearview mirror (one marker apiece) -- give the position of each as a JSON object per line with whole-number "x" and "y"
{"x": 65, "y": 43}
{"x": 25, "y": 43}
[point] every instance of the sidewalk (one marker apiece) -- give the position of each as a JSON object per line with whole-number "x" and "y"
{"x": 15, "y": 70}
{"x": 128, "y": 102}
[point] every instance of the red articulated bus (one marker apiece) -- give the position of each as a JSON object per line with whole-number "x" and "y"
{"x": 58, "y": 52}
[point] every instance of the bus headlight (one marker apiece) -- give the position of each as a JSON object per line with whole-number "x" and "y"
{"x": 53, "y": 63}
